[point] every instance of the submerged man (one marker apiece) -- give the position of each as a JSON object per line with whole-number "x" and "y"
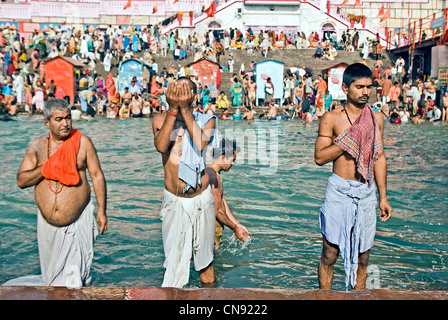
{"x": 223, "y": 158}
{"x": 188, "y": 211}
{"x": 352, "y": 138}
{"x": 56, "y": 164}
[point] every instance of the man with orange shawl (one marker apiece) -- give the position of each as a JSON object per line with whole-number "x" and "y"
{"x": 321, "y": 89}
{"x": 110, "y": 87}
{"x": 56, "y": 164}
{"x": 352, "y": 138}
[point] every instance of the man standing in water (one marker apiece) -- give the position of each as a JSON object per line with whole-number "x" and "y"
{"x": 56, "y": 165}
{"x": 188, "y": 211}
{"x": 252, "y": 88}
{"x": 352, "y": 138}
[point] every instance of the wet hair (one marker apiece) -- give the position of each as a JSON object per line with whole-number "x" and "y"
{"x": 354, "y": 72}
{"x": 53, "y": 105}
{"x": 227, "y": 148}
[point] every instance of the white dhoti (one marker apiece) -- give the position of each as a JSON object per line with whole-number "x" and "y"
{"x": 188, "y": 225}
{"x": 66, "y": 253}
{"x": 19, "y": 95}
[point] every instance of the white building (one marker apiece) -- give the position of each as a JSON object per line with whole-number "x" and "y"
{"x": 289, "y": 16}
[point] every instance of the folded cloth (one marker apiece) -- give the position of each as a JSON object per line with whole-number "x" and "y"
{"x": 362, "y": 140}
{"x": 348, "y": 219}
{"x": 188, "y": 225}
{"x": 192, "y": 161}
{"x": 61, "y": 166}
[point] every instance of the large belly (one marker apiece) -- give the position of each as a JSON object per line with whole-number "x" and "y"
{"x": 62, "y": 208}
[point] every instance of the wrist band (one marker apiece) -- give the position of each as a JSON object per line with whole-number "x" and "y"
{"x": 171, "y": 114}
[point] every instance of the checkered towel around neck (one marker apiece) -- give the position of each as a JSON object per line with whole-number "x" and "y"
{"x": 362, "y": 141}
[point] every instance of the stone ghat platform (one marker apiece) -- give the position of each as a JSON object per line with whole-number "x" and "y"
{"x": 157, "y": 293}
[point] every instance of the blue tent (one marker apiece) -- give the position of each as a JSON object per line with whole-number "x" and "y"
{"x": 269, "y": 69}
{"x": 133, "y": 68}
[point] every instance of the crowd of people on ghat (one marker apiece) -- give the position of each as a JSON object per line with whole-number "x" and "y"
{"x": 305, "y": 95}
{"x": 403, "y": 99}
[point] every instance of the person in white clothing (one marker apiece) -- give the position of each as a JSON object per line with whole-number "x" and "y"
{"x": 188, "y": 211}
{"x": 66, "y": 226}
{"x": 107, "y": 61}
{"x": 18, "y": 86}
{"x": 365, "y": 49}
{"x": 230, "y": 64}
{"x": 84, "y": 47}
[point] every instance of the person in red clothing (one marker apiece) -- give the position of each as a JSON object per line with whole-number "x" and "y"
{"x": 376, "y": 72}
{"x": 59, "y": 93}
{"x": 429, "y": 104}
{"x": 387, "y": 84}
{"x": 394, "y": 93}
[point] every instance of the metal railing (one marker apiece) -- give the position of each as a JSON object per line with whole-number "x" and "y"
{"x": 419, "y": 30}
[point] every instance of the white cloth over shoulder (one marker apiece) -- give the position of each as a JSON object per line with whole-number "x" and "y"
{"x": 188, "y": 224}
{"x": 192, "y": 160}
{"x": 348, "y": 220}
{"x": 66, "y": 253}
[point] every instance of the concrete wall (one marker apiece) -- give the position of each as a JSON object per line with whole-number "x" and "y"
{"x": 439, "y": 58}
{"x": 272, "y": 15}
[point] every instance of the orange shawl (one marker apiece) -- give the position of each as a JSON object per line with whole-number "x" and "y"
{"x": 61, "y": 166}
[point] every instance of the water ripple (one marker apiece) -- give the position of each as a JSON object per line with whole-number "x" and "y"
{"x": 277, "y": 196}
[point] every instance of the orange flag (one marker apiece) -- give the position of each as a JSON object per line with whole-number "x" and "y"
{"x": 175, "y": 1}
{"x": 344, "y": 3}
{"x": 357, "y": 2}
{"x": 381, "y": 12}
{"x": 127, "y": 5}
{"x": 211, "y": 10}
{"x": 386, "y": 15}
{"x": 154, "y": 9}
